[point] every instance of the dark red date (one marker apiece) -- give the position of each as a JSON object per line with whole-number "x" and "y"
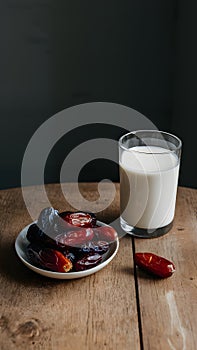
{"x": 106, "y": 233}
{"x": 154, "y": 264}
{"x": 36, "y": 235}
{"x": 75, "y": 238}
{"x": 49, "y": 259}
{"x": 87, "y": 262}
{"x": 79, "y": 219}
{"x": 100, "y": 247}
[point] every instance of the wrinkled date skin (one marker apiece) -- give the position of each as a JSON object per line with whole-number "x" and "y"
{"x": 75, "y": 238}
{"x": 49, "y": 221}
{"x": 48, "y": 258}
{"x": 87, "y": 262}
{"x": 36, "y": 235}
{"x": 100, "y": 247}
{"x": 106, "y": 233}
{"x": 79, "y": 219}
{"x": 154, "y": 264}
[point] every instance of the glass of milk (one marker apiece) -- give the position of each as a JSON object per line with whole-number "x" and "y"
{"x": 149, "y": 166}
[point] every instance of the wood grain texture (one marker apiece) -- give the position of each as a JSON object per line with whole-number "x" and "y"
{"x": 95, "y": 312}
{"x": 99, "y": 311}
{"x": 169, "y": 307}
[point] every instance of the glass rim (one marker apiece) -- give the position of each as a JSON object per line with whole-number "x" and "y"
{"x": 177, "y": 148}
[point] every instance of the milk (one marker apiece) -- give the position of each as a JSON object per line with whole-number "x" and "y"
{"x": 148, "y": 183}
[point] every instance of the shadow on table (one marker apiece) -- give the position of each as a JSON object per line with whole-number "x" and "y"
{"x": 127, "y": 270}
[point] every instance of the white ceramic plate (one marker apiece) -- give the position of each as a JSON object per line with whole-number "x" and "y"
{"x": 21, "y": 244}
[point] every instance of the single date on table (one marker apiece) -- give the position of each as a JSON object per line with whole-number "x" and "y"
{"x": 154, "y": 264}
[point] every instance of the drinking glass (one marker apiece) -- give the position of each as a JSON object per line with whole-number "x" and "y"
{"x": 149, "y": 163}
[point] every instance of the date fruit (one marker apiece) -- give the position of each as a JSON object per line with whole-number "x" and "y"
{"x": 75, "y": 238}
{"x": 106, "y": 233}
{"x": 154, "y": 264}
{"x": 48, "y": 258}
{"x": 79, "y": 219}
{"x": 49, "y": 221}
{"x": 70, "y": 255}
{"x": 100, "y": 247}
{"x": 87, "y": 262}
{"x": 36, "y": 235}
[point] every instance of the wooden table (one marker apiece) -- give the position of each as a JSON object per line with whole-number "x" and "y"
{"x": 119, "y": 307}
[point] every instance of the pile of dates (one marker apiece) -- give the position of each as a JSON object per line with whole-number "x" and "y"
{"x": 68, "y": 241}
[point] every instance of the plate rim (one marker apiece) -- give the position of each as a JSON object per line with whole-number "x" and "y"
{"x": 60, "y": 275}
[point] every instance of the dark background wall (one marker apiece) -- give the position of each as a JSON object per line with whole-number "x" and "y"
{"x": 56, "y": 54}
